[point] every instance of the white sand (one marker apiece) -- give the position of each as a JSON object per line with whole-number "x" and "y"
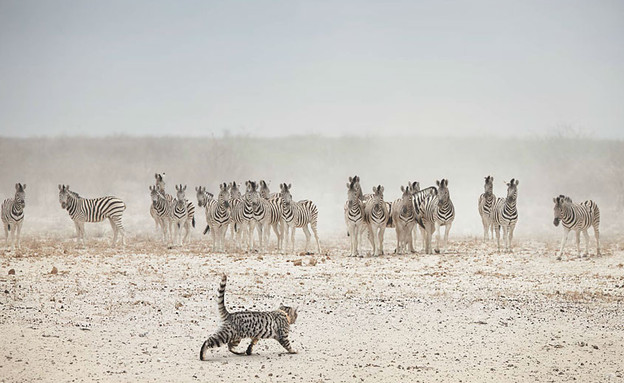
{"x": 142, "y": 313}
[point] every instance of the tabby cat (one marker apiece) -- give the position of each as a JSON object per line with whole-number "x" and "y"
{"x": 250, "y": 324}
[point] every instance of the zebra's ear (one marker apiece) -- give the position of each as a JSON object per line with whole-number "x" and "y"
{"x": 184, "y": 188}
{"x": 374, "y": 189}
{"x": 350, "y": 179}
{"x": 555, "y": 200}
{"x": 438, "y": 183}
{"x": 517, "y": 182}
{"x": 289, "y": 186}
{"x": 24, "y": 187}
{"x": 60, "y": 187}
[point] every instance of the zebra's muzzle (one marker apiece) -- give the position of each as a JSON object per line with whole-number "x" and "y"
{"x": 556, "y": 222}
{"x": 63, "y": 205}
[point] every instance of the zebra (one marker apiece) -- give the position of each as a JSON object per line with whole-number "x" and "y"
{"x": 83, "y": 210}
{"x": 190, "y": 207}
{"x": 486, "y": 201}
{"x": 218, "y": 217}
{"x": 577, "y": 217}
{"x": 298, "y": 214}
{"x": 160, "y": 210}
{"x": 418, "y": 198}
{"x": 180, "y": 215}
{"x": 266, "y": 215}
{"x": 275, "y": 200}
{"x": 437, "y": 211}
{"x": 404, "y": 217}
{"x": 13, "y": 215}
{"x": 505, "y": 214}
{"x": 354, "y": 214}
{"x": 235, "y": 200}
{"x": 376, "y": 216}
{"x": 242, "y": 213}
{"x": 160, "y": 186}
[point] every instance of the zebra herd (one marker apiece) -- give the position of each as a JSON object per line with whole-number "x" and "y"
{"x": 431, "y": 208}
{"x": 259, "y": 210}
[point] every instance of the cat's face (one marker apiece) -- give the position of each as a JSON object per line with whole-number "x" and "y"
{"x": 291, "y": 312}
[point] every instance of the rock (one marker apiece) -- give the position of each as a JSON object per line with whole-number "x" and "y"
{"x": 297, "y": 262}
{"x": 178, "y": 305}
{"x": 54, "y": 270}
{"x": 312, "y": 261}
{"x": 12, "y": 272}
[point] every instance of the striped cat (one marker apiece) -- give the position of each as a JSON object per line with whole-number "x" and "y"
{"x": 249, "y": 324}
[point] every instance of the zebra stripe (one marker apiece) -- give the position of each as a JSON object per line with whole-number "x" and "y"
{"x": 437, "y": 210}
{"x": 354, "y": 213}
{"x": 298, "y": 215}
{"x": 218, "y": 217}
{"x": 505, "y": 214}
{"x": 376, "y": 216}
{"x": 179, "y": 215}
{"x": 12, "y": 213}
{"x": 161, "y": 209}
{"x": 83, "y": 210}
{"x": 403, "y": 215}
{"x": 486, "y": 203}
{"x": 266, "y": 214}
{"x": 577, "y": 217}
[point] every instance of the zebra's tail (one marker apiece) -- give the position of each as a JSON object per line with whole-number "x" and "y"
{"x": 8, "y": 226}
{"x": 207, "y": 229}
{"x": 221, "y": 299}
{"x": 193, "y": 221}
{"x": 235, "y": 227}
{"x": 419, "y": 221}
{"x": 389, "y": 223}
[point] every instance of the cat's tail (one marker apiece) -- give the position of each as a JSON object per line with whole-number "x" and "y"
{"x": 221, "y": 299}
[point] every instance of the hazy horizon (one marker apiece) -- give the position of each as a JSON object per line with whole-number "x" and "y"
{"x": 427, "y": 68}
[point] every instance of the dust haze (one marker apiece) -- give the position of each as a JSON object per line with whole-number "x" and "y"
{"x": 318, "y": 167}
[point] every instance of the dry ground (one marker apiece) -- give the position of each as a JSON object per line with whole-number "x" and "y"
{"x": 142, "y": 312}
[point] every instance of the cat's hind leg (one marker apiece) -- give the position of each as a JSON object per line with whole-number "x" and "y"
{"x": 251, "y": 345}
{"x": 232, "y": 345}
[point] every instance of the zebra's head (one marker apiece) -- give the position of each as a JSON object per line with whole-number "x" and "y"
{"x": 202, "y": 196}
{"x": 252, "y": 194}
{"x": 234, "y": 191}
{"x": 560, "y": 202}
{"x": 20, "y": 195}
{"x": 160, "y": 181}
{"x": 512, "y": 190}
{"x": 285, "y": 193}
{"x": 489, "y": 185}
{"x": 378, "y": 196}
{"x": 443, "y": 191}
{"x": 63, "y": 195}
{"x": 265, "y": 192}
{"x": 354, "y": 183}
{"x": 155, "y": 193}
{"x": 224, "y": 195}
{"x": 414, "y": 186}
{"x": 180, "y": 193}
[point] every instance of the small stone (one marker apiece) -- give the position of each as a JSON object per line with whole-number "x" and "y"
{"x": 313, "y": 261}
{"x": 297, "y": 262}
{"x": 54, "y": 270}
{"x": 12, "y": 272}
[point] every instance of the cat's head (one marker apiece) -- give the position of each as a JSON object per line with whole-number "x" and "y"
{"x": 290, "y": 312}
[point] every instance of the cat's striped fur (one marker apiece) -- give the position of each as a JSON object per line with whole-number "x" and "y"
{"x": 249, "y": 324}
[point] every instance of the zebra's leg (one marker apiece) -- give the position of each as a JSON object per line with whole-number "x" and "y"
{"x": 352, "y": 229}
{"x": 447, "y": 229}
{"x": 511, "y": 231}
{"x": 563, "y": 241}
{"x": 114, "y": 227}
{"x": 578, "y": 242}
{"x": 586, "y": 237}
{"x": 6, "y": 233}
{"x": 506, "y": 237}
{"x": 308, "y": 235}
{"x": 292, "y": 237}
{"x": 382, "y": 230}
{"x": 278, "y": 234}
{"x": 397, "y": 230}
{"x": 409, "y": 239}
{"x": 437, "y": 231}
{"x": 485, "y": 228}
{"x": 19, "y": 234}
{"x": 497, "y": 230}
{"x": 597, "y": 235}
{"x": 315, "y": 231}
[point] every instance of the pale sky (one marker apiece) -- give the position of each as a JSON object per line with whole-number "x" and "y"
{"x": 270, "y": 68}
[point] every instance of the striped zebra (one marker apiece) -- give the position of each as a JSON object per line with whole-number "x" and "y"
{"x": 578, "y": 217}
{"x": 437, "y": 211}
{"x": 505, "y": 215}
{"x": 83, "y": 210}
{"x": 161, "y": 211}
{"x": 160, "y": 185}
{"x": 354, "y": 214}
{"x": 242, "y": 214}
{"x": 274, "y": 199}
{"x": 267, "y": 214}
{"x": 218, "y": 217}
{"x": 298, "y": 214}
{"x": 418, "y": 198}
{"x": 486, "y": 201}
{"x": 13, "y": 215}
{"x": 190, "y": 207}
{"x": 180, "y": 216}
{"x": 404, "y": 217}
{"x": 235, "y": 200}
{"x": 376, "y": 216}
